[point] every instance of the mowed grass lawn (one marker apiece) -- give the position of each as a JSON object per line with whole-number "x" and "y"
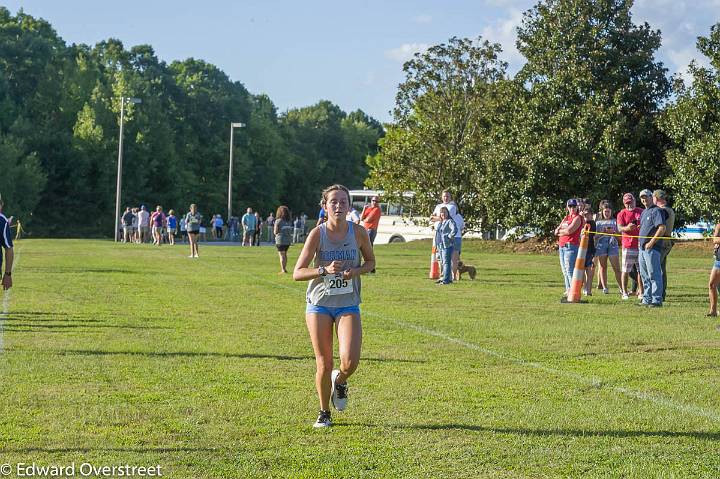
{"x": 127, "y": 354}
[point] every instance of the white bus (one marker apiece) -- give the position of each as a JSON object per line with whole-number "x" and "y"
{"x": 393, "y": 227}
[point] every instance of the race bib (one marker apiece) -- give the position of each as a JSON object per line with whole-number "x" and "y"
{"x": 335, "y": 285}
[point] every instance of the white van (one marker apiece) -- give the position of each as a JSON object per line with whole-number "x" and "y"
{"x": 393, "y": 227}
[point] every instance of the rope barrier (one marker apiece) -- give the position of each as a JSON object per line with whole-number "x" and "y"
{"x": 650, "y": 237}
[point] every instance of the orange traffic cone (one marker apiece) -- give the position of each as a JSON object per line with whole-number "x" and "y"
{"x": 434, "y": 265}
{"x": 578, "y": 278}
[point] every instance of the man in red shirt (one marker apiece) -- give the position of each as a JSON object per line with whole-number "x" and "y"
{"x": 628, "y": 221}
{"x": 370, "y": 218}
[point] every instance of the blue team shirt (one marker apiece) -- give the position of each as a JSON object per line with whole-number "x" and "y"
{"x": 5, "y": 235}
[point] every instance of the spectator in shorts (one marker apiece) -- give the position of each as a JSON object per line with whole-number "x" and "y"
{"x": 249, "y": 223}
{"x": 568, "y": 233}
{"x": 127, "y": 222}
{"x": 283, "y": 231}
{"x": 590, "y": 253}
{"x": 714, "y": 281}
{"x": 172, "y": 224}
{"x": 606, "y": 247}
{"x": 135, "y": 226}
{"x": 661, "y": 201}
{"x": 157, "y": 220}
{"x": 218, "y": 225}
{"x": 143, "y": 224}
{"x": 193, "y": 220}
{"x": 628, "y": 222}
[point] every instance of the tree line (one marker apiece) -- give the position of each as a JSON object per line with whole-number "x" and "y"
{"x": 59, "y": 130}
{"x": 591, "y": 113}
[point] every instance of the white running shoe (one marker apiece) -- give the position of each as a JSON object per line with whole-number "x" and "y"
{"x": 191, "y": 256}
{"x": 606, "y": 291}
{"x": 339, "y": 392}
{"x": 625, "y": 296}
{"x": 197, "y": 256}
{"x": 323, "y": 420}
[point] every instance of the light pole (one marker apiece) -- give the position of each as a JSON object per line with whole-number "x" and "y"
{"x": 123, "y": 99}
{"x": 232, "y": 130}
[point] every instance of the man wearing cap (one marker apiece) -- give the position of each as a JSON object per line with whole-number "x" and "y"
{"x": 568, "y": 233}
{"x": 661, "y": 201}
{"x": 370, "y": 218}
{"x": 652, "y": 227}
{"x": 628, "y": 221}
{"x": 7, "y": 244}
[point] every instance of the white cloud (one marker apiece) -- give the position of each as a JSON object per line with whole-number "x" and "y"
{"x": 406, "y": 51}
{"x": 422, "y": 19}
{"x": 504, "y": 32}
{"x": 680, "y": 23}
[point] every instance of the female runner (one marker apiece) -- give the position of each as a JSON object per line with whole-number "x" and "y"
{"x": 333, "y": 296}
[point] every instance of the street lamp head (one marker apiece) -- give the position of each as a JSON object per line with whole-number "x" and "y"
{"x": 237, "y": 125}
{"x": 134, "y": 100}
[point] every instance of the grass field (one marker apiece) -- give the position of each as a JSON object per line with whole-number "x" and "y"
{"x": 116, "y": 354}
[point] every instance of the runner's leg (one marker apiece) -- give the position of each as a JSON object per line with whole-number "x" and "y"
{"x": 349, "y": 332}
{"x": 320, "y": 327}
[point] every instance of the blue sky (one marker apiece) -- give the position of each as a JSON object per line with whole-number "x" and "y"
{"x": 351, "y": 53}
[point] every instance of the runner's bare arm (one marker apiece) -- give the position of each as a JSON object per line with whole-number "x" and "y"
{"x": 363, "y": 240}
{"x": 302, "y": 272}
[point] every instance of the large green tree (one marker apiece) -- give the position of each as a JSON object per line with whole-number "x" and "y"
{"x": 59, "y": 130}
{"x": 693, "y": 123}
{"x": 442, "y": 116}
{"x": 325, "y": 146}
{"x": 584, "y": 119}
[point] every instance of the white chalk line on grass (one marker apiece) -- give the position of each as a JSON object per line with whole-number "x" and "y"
{"x": 6, "y": 306}
{"x": 590, "y": 381}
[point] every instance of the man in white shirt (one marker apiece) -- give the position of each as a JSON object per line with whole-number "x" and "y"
{"x": 144, "y": 224}
{"x": 446, "y": 202}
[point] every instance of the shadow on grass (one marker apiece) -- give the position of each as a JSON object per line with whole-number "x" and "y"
{"x": 39, "y": 269}
{"x": 709, "y": 436}
{"x": 42, "y": 327}
{"x": 27, "y": 450}
{"x": 190, "y": 354}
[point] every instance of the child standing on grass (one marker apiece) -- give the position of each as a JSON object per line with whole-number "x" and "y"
{"x": 171, "y": 226}
{"x": 333, "y": 296}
